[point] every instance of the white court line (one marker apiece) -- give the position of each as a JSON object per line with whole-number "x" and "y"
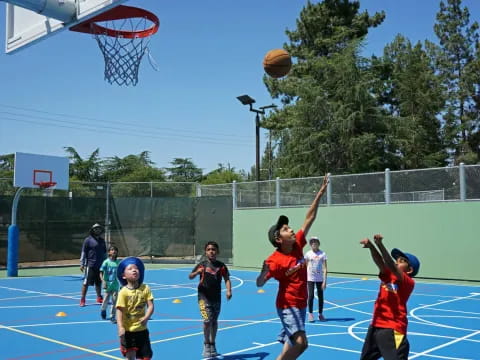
{"x": 336, "y": 306}
{"x": 419, "y": 318}
{"x": 450, "y": 317}
{"x": 38, "y": 292}
{"x": 455, "y": 311}
{"x": 426, "y": 352}
{"x": 335, "y": 348}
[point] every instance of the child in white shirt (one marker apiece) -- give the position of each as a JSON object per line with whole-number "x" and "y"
{"x": 316, "y": 277}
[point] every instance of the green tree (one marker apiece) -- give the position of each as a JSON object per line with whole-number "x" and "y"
{"x": 132, "y": 168}
{"x": 407, "y": 87}
{"x": 330, "y": 120}
{"x": 184, "y": 170}
{"x": 458, "y": 65}
{"x": 223, "y": 175}
{"x": 80, "y": 169}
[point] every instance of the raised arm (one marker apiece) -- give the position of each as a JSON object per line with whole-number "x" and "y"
{"x": 387, "y": 259}
{"x": 312, "y": 211}
{"x": 377, "y": 258}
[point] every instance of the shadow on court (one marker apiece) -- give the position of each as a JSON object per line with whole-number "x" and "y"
{"x": 259, "y": 356}
{"x": 340, "y": 319}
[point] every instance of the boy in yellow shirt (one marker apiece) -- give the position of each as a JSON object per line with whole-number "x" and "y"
{"x": 134, "y": 309}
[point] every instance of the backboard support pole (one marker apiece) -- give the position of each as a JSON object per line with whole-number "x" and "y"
{"x": 62, "y": 10}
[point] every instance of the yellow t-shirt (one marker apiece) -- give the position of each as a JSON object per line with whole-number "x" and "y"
{"x": 134, "y": 303}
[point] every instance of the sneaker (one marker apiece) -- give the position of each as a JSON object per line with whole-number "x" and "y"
{"x": 310, "y": 318}
{"x": 206, "y": 351}
{"x": 82, "y": 302}
{"x": 103, "y": 314}
{"x": 213, "y": 351}
{"x": 321, "y": 317}
{"x": 99, "y": 299}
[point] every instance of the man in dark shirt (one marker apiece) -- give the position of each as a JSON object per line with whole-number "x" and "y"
{"x": 94, "y": 251}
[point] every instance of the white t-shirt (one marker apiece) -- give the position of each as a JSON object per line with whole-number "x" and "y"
{"x": 315, "y": 265}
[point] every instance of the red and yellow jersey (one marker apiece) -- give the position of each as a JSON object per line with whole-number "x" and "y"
{"x": 390, "y": 309}
{"x": 291, "y": 272}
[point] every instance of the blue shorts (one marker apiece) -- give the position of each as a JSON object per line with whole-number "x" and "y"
{"x": 293, "y": 321}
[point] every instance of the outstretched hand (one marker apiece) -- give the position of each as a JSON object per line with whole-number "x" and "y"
{"x": 366, "y": 243}
{"x": 378, "y": 238}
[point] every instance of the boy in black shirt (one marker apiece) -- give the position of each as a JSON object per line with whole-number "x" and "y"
{"x": 211, "y": 272}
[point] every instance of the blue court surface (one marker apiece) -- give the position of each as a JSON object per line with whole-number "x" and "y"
{"x": 444, "y": 320}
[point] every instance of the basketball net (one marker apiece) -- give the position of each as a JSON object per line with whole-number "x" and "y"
{"x": 123, "y": 35}
{"x": 122, "y": 55}
{"x": 47, "y": 188}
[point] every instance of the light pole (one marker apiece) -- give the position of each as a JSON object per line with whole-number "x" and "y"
{"x": 247, "y": 100}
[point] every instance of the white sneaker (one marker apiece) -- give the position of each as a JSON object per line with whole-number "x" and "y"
{"x": 310, "y": 317}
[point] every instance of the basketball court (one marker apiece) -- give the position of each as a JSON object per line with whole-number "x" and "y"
{"x": 41, "y": 319}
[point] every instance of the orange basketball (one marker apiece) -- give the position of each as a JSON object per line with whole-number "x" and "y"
{"x": 277, "y": 63}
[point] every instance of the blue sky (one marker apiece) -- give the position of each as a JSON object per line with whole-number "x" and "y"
{"x": 208, "y": 52}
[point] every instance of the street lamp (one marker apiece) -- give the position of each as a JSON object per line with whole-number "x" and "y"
{"x": 247, "y": 100}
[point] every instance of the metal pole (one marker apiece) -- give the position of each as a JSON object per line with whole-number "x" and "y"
{"x": 234, "y": 194}
{"x": 388, "y": 186}
{"x": 461, "y": 178}
{"x": 329, "y": 190}
{"x": 257, "y": 147}
{"x": 277, "y": 192}
{"x": 107, "y": 216}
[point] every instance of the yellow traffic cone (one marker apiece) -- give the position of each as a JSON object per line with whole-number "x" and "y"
{"x": 177, "y": 301}
{"x": 61, "y": 314}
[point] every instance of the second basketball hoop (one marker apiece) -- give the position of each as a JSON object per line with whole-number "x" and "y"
{"x": 122, "y": 34}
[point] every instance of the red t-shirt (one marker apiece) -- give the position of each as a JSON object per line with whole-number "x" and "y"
{"x": 390, "y": 309}
{"x": 291, "y": 273}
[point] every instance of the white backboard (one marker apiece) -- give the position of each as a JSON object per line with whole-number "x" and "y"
{"x": 26, "y": 27}
{"x": 30, "y": 169}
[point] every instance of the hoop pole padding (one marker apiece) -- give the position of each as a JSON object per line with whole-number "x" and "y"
{"x": 120, "y": 12}
{"x": 13, "y": 235}
{"x": 12, "y": 257}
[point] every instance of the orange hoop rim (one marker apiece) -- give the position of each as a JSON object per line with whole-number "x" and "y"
{"x": 120, "y": 12}
{"x": 46, "y": 184}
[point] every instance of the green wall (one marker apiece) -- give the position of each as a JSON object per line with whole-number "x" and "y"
{"x": 442, "y": 235}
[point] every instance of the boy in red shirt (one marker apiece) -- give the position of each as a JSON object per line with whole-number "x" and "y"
{"x": 387, "y": 333}
{"x": 287, "y": 265}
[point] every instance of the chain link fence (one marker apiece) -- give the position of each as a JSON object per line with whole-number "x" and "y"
{"x": 457, "y": 183}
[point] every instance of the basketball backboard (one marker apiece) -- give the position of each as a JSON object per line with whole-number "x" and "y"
{"x": 27, "y": 24}
{"x": 33, "y": 169}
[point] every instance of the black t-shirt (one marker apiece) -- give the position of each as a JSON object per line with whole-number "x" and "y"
{"x": 210, "y": 286}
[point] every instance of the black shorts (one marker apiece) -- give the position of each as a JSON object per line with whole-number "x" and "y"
{"x": 92, "y": 276}
{"x": 138, "y": 341}
{"x": 210, "y": 310}
{"x": 385, "y": 343}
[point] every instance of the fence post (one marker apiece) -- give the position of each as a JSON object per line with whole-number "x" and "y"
{"x": 329, "y": 190}
{"x": 461, "y": 178}
{"x": 277, "y": 192}
{"x": 198, "y": 189}
{"x": 107, "y": 215}
{"x": 388, "y": 186}
{"x": 234, "y": 194}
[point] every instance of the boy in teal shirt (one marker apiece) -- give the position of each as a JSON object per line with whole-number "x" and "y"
{"x": 108, "y": 274}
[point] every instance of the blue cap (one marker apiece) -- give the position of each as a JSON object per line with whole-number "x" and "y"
{"x": 412, "y": 260}
{"x": 123, "y": 265}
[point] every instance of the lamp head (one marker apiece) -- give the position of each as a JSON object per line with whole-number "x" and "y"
{"x": 245, "y": 99}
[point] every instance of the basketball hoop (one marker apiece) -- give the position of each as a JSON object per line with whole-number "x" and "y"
{"x": 122, "y": 34}
{"x": 48, "y": 187}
